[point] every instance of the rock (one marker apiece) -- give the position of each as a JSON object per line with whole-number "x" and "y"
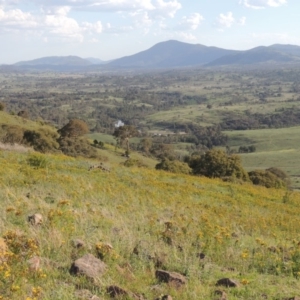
{"x": 77, "y": 243}
{"x": 34, "y": 263}
{"x": 201, "y": 255}
{"x": 83, "y": 294}
{"x": 94, "y": 297}
{"x": 115, "y": 291}
{"x": 170, "y": 277}
{"x": 86, "y": 295}
{"x": 36, "y": 219}
{"x": 88, "y": 265}
{"x": 3, "y": 246}
{"x": 220, "y": 295}
{"x": 272, "y": 249}
{"x": 3, "y": 250}
{"x": 227, "y": 282}
{"x": 126, "y": 271}
{"x": 292, "y": 298}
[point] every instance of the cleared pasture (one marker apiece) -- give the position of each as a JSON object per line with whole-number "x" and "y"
{"x": 274, "y": 148}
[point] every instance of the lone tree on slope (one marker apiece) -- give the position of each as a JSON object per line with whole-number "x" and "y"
{"x": 123, "y": 133}
{"x": 74, "y": 128}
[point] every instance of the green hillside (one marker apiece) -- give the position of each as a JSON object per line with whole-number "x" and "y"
{"x": 137, "y": 221}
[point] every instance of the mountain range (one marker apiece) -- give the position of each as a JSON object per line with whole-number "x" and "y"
{"x": 172, "y": 54}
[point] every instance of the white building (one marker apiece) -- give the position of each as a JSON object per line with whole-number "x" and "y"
{"x": 119, "y": 124}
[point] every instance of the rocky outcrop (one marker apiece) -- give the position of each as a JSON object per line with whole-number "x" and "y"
{"x": 173, "y": 278}
{"x": 89, "y": 266}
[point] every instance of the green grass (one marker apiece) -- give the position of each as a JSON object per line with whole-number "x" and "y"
{"x": 168, "y": 217}
{"x": 274, "y": 148}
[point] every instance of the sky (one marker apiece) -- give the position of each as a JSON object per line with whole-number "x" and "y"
{"x": 110, "y": 29}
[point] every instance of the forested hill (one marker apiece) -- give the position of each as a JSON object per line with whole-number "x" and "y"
{"x": 171, "y": 54}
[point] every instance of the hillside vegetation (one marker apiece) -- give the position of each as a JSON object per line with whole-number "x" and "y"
{"x": 138, "y": 221}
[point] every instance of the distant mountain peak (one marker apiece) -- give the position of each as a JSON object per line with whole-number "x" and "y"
{"x": 173, "y": 54}
{"x": 55, "y": 61}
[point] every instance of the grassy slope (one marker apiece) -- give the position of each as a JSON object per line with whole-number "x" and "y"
{"x": 232, "y": 224}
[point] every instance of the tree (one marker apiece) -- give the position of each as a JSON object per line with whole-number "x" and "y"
{"x": 23, "y": 114}
{"x": 123, "y": 134}
{"x": 2, "y": 106}
{"x": 162, "y": 151}
{"x": 74, "y": 128}
{"x": 146, "y": 144}
{"x": 216, "y": 163}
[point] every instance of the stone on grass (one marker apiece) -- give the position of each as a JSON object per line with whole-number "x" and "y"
{"x": 3, "y": 250}
{"x": 34, "y": 263}
{"x": 227, "y": 282}
{"x": 36, "y": 219}
{"x": 220, "y": 295}
{"x": 173, "y": 278}
{"x": 165, "y": 297}
{"x": 201, "y": 255}
{"x": 85, "y": 295}
{"x": 3, "y": 246}
{"x": 89, "y": 266}
{"x": 77, "y": 243}
{"x": 115, "y": 291}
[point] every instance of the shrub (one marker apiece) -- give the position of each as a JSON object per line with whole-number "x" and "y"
{"x": 247, "y": 149}
{"x": 2, "y": 106}
{"x": 23, "y": 114}
{"x": 98, "y": 144}
{"x": 14, "y": 134}
{"x": 37, "y": 161}
{"x": 43, "y": 140}
{"x": 77, "y": 147}
{"x": 216, "y": 163}
{"x": 266, "y": 178}
{"x": 280, "y": 174}
{"x": 173, "y": 166}
{"x": 134, "y": 163}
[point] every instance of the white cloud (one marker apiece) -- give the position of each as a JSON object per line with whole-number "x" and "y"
{"x": 15, "y": 18}
{"x": 260, "y": 4}
{"x": 187, "y": 36}
{"x": 165, "y": 8}
{"x": 63, "y": 27}
{"x": 57, "y": 10}
{"x": 191, "y": 22}
{"x": 92, "y": 27}
{"x": 242, "y": 21}
{"x": 50, "y": 24}
{"x": 161, "y": 7}
{"x": 225, "y": 20}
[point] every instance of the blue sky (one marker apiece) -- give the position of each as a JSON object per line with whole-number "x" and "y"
{"x": 109, "y": 29}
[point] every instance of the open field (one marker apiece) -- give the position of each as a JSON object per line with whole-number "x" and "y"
{"x": 274, "y": 148}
